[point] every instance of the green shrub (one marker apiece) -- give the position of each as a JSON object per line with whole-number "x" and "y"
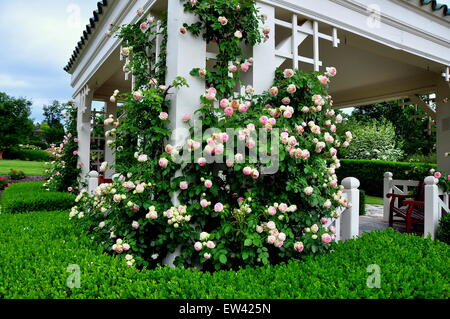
{"x": 28, "y": 197}
{"x": 16, "y": 175}
{"x": 41, "y": 245}
{"x": 375, "y": 140}
{"x": 362, "y": 202}
{"x": 443, "y": 231}
{"x": 27, "y": 155}
{"x": 371, "y": 173}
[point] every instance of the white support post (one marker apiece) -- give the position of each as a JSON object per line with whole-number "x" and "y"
{"x": 111, "y": 109}
{"x": 265, "y": 61}
{"x": 184, "y": 52}
{"x": 443, "y": 125}
{"x": 431, "y": 206}
{"x": 316, "y": 45}
{"x": 294, "y": 42}
{"x": 350, "y": 217}
{"x": 92, "y": 181}
{"x": 387, "y": 188}
{"x": 84, "y": 132}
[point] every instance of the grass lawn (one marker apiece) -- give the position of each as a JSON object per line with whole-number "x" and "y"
{"x": 29, "y": 167}
{"x": 374, "y": 200}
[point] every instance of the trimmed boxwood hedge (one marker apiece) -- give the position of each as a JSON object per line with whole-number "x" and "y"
{"x": 27, "y": 155}
{"x": 31, "y": 196}
{"x": 38, "y": 248}
{"x": 371, "y": 173}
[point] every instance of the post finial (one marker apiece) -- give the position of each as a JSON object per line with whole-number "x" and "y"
{"x": 93, "y": 174}
{"x": 431, "y": 180}
{"x": 388, "y": 175}
{"x": 350, "y": 183}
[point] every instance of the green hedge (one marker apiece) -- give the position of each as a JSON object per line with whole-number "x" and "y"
{"x": 31, "y": 196}
{"x": 371, "y": 173}
{"x": 38, "y": 248}
{"x": 362, "y": 202}
{"x": 443, "y": 231}
{"x": 27, "y": 155}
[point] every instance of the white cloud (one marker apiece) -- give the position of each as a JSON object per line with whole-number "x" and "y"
{"x": 7, "y": 82}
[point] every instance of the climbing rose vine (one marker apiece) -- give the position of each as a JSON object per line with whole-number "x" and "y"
{"x": 63, "y": 171}
{"x": 212, "y": 203}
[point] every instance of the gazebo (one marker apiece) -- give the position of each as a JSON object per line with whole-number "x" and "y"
{"x": 383, "y": 50}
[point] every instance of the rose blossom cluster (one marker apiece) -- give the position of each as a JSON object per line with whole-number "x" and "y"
{"x": 120, "y": 246}
{"x": 291, "y": 142}
{"x": 275, "y": 237}
{"x": 326, "y": 238}
{"x": 203, "y": 244}
{"x": 281, "y": 208}
{"x": 176, "y": 215}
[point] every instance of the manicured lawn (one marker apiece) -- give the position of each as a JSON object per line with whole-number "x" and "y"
{"x": 38, "y": 247}
{"x": 29, "y": 167}
{"x": 374, "y": 200}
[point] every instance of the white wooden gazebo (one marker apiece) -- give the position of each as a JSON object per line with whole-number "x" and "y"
{"x": 383, "y": 50}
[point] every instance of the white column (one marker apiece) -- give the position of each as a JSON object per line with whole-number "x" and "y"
{"x": 431, "y": 207}
{"x": 184, "y": 52}
{"x": 109, "y": 152}
{"x": 387, "y": 188}
{"x": 84, "y": 134}
{"x": 350, "y": 216}
{"x": 265, "y": 63}
{"x": 443, "y": 125}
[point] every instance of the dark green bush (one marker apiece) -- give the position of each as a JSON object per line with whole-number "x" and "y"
{"x": 28, "y": 197}
{"x": 27, "y": 155}
{"x": 362, "y": 202}
{"x": 38, "y": 248}
{"x": 443, "y": 231}
{"x": 371, "y": 173}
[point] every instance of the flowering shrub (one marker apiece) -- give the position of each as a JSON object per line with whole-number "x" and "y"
{"x": 443, "y": 180}
{"x": 270, "y": 201}
{"x": 16, "y": 175}
{"x": 4, "y": 183}
{"x": 63, "y": 171}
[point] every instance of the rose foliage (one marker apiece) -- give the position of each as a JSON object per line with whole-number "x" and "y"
{"x": 214, "y": 205}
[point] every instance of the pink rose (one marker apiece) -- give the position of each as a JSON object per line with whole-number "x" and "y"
{"x": 245, "y": 67}
{"x": 75, "y": 153}
{"x": 229, "y": 111}
{"x": 272, "y": 210}
{"x": 163, "y": 116}
{"x": 323, "y": 79}
{"x": 247, "y": 170}
{"x": 183, "y": 185}
{"x": 137, "y": 95}
{"x": 201, "y": 161}
{"x": 163, "y": 162}
{"x": 208, "y": 183}
{"x": 224, "y": 103}
{"x": 198, "y": 246}
{"x": 291, "y": 88}
{"x": 326, "y": 238}
{"x": 288, "y": 73}
{"x": 271, "y": 239}
{"x": 218, "y": 207}
{"x": 204, "y": 203}
{"x": 437, "y": 175}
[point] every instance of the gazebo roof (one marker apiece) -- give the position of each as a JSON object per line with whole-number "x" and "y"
{"x": 436, "y": 6}
{"x": 84, "y": 38}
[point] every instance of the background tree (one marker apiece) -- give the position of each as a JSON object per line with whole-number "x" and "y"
{"x": 410, "y": 132}
{"x": 15, "y": 125}
{"x": 52, "y": 127}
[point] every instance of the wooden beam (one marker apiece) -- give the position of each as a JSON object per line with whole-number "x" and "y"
{"x": 416, "y": 99}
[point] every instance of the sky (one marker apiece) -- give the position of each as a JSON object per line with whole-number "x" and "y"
{"x": 37, "y": 40}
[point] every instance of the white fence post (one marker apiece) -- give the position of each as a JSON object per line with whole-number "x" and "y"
{"x": 92, "y": 181}
{"x": 387, "y": 188}
{"x": 431, "y": 210}
{"x": 350, "y": 216}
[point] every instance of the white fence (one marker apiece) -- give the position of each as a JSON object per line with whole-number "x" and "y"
{"x": 435, "y": 201}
